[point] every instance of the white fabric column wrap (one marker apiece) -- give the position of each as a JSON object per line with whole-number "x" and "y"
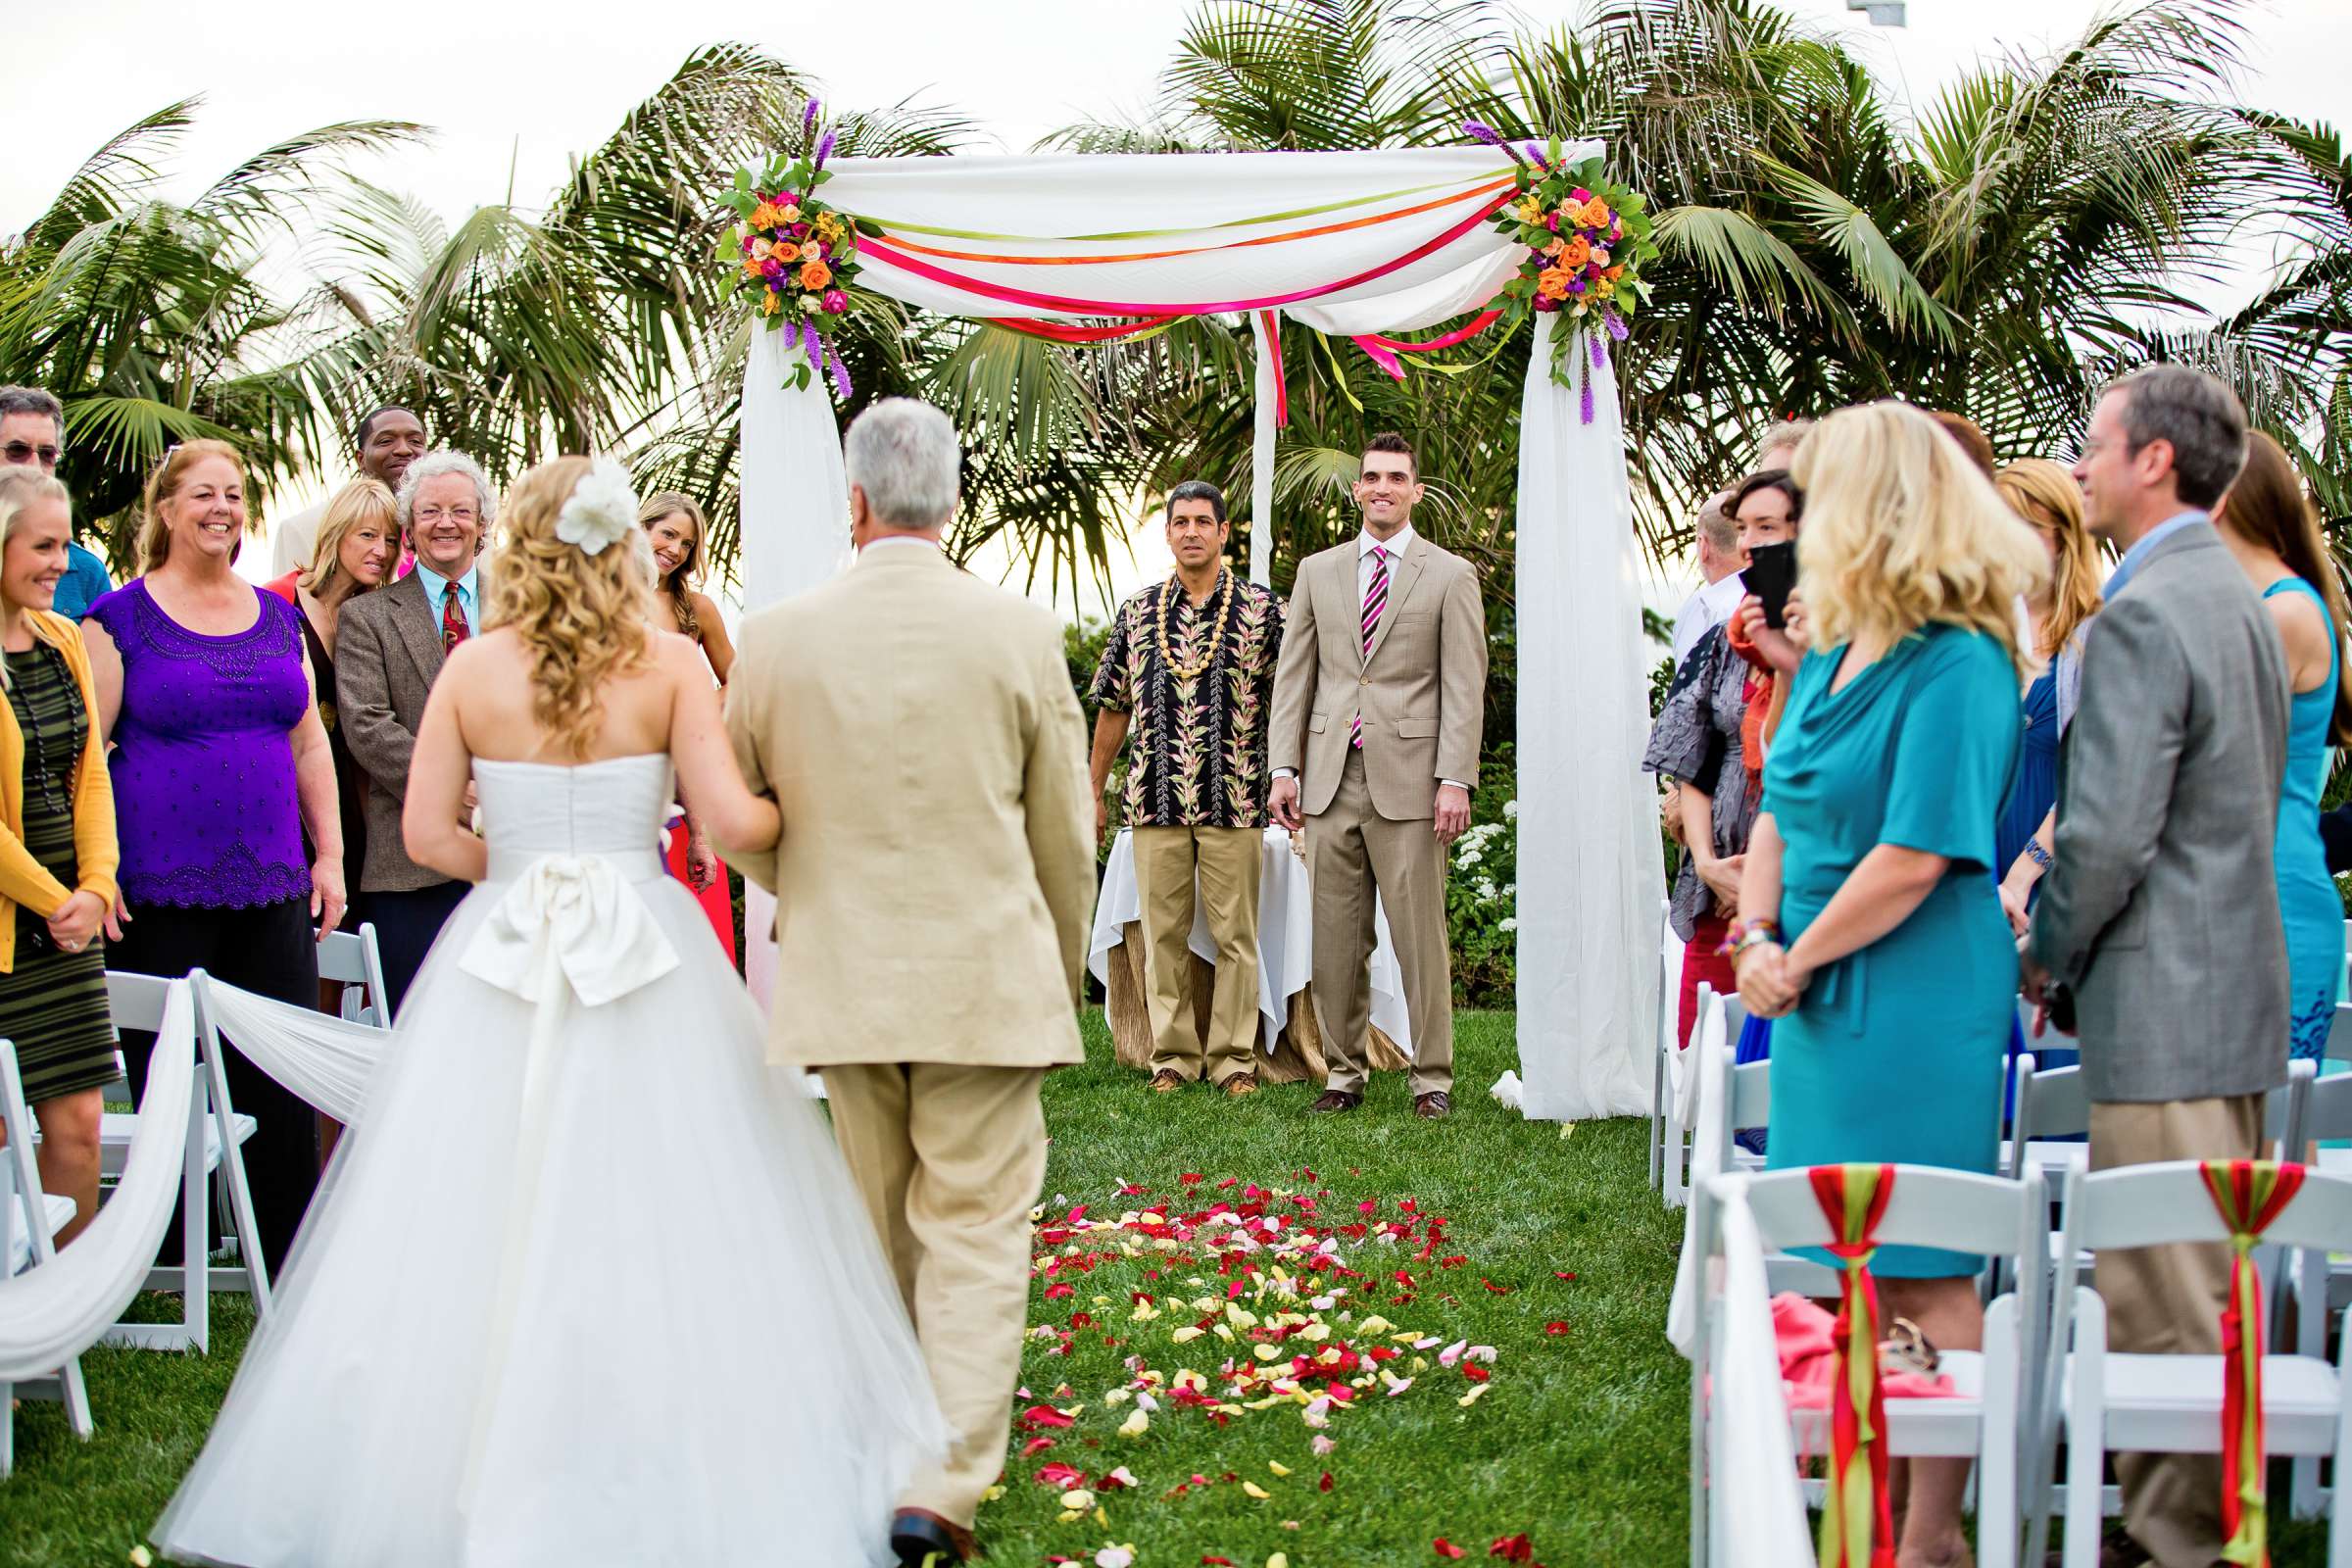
{"x": 324, "y": 1059}
{"x": 794, "y": 531}
{"x": 1261, "y": 454}
{"x": 1589, "y": 873}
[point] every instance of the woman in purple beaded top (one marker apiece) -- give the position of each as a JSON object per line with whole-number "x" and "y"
{"x": 219, "y": 762}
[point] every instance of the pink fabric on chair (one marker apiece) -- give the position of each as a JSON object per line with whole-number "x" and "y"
{"x": 1803, "y": 1332}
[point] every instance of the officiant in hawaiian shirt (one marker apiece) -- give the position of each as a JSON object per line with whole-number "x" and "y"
{"x": 1188, "y": 674}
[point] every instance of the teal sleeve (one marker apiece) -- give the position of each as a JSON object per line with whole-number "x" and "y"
{"x": 1955, "y": 753}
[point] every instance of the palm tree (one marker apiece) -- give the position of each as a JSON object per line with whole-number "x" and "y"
{"x": 151, "y": 319}
{"x": 2049, "y": 217}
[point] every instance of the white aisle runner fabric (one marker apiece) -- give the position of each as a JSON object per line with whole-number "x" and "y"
{"x": 1286, "y": 931}
{"x": 1757, "y": 1506}
{"x": 59, "y": 1310}
{"x": 326, "y": 1060}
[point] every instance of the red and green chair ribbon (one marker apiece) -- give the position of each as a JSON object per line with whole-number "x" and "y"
{"x": 1857, "y": 1518}
{"x": 2250, "y": 1196}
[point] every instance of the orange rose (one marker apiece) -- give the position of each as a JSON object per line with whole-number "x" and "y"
{"x": 1614, "y": 274}
{"x": 815, "y": 274}
{"x": 786, "y": 253}
{"x": 1575, "y": 252}
{"x": 1553, "y": 283}
{"x": 1595, "y": 214}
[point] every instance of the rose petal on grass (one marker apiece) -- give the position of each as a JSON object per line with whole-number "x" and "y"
{"x": 1555, "y": 1328}
{"x": 1447, "y": 1549}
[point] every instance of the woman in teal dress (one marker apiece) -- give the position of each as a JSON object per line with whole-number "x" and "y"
{"x": 1871, "y": 926}
{"x": 2275, "y": 537}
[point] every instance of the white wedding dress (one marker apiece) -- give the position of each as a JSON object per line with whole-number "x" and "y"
{"x": 589, "y": 1283}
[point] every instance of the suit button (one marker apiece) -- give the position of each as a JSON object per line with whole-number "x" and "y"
{"x": 1363, "y": 680}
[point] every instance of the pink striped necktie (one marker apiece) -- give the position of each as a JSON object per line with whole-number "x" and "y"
{"x": 1376, "y": 600}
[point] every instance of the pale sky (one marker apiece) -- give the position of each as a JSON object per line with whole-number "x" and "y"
{"x": 515, "y": 87}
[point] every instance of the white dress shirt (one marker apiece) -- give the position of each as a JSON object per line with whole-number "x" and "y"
{"x": 1703, "y": 610}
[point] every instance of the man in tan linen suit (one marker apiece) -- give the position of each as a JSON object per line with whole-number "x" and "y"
{"x": 933, "y": 890}
{"x": 1381, "y": 701}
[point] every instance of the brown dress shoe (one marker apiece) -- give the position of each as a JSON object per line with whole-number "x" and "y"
{"x": 1433, "y": 1106}
{"x": 1334, "y": 1100}
{"x": 1166, "y": 1081}
{"x": 926, "y": 1540}
{"x": 1239, "y": 1085}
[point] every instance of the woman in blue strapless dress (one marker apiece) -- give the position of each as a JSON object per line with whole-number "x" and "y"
{"x": 2275, "y": 537}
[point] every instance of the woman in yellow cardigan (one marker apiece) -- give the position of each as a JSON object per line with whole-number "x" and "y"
{"x": 57, "y": 848}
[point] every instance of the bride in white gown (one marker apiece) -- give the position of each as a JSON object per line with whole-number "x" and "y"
{"x": 588, "y": 1284}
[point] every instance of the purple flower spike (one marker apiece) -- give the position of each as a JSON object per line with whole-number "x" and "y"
{"x": 1600, "y": 351}
{"x": 841, "y": 379}
{"x": 1479, "y": 130}
{"x": 824, "y": 149}
{"x": 808, "y": 119}
{"x": 1535, "y": 155}
{"x": 1617, "y": 327}
{"x": 811, "y": 345}
{"x": 1586, "y": 400}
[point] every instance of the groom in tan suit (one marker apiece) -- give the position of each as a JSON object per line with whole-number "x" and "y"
{"x": 1380, "y": 703}
{"x": 933, "y": 889}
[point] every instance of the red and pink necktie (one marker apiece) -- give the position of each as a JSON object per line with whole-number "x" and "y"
{"x": 1376, "y": 600}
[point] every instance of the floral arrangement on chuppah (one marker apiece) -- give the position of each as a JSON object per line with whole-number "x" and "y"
{"x": 1588, "y": 240}
{"x": 798, "y": 256}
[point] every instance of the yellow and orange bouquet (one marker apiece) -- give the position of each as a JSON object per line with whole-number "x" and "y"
{"x": 1587, "y": 243}
{"x": 795, "y": 256}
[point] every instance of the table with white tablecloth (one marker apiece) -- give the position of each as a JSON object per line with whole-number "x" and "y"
{"x": 1291, "y": 1041}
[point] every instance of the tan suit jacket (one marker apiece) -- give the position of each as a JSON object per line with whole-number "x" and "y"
{"x": 936, "y": 876}
{"x": 387, "y": 654}
{"x": 1421, "y": 691}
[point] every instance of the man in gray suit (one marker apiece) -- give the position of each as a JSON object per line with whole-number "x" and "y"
{"x": 389, "y": 647}
{"x": 2160, "y": 913}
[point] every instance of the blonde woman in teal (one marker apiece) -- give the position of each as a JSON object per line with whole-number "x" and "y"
{"x": 2274, "y": 536}
{"x": 1870, "y": 925}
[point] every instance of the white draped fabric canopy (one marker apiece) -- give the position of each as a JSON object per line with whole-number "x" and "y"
{"x": 1350, "y": 244}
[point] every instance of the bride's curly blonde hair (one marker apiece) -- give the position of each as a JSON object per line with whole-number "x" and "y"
{"x": 1901, "y": 529}
{"x": 585, "y": 619}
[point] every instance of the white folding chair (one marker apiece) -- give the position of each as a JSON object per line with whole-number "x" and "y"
{"x": 1984, "y": 1418}
{"x": 1744, "y": 1095}
{"x": 215, "y": 1133}
{"x": 2102, "y": 1400}
{"x": 30, "y": 1220}
{"x": 350, "y": 958}
{"x": 1714, "y": 1017}
{"x": 2320, "y": 1284}
{"x": 1669, "y": 952}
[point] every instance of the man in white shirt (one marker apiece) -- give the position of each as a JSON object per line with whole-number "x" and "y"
{"x": 389, "y": 440}
{"x": 1718, "y": 563}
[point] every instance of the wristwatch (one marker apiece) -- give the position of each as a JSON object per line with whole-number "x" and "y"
{"x": 2036, "y": 853}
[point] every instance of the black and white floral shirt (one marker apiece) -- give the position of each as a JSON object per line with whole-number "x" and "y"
{"x": 1197, "y": 752}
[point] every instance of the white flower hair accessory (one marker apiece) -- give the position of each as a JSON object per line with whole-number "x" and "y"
{"x": 601, "y": 509}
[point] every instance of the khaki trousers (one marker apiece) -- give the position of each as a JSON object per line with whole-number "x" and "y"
{"x": 1224, "y": 862}
{"x": 950, "y": 1161}
{"x": 1352, "y": 853}
{"x": 2169, "y": 1300}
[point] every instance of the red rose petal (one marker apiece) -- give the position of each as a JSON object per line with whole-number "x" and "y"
{"x": 1324, "y": 1485}
{"x": 1035, "y": 1447}
{"x": 1447, "y": 1549}
{"x": 1512, "y": 1548}
{"x": 1555, "y": 1328}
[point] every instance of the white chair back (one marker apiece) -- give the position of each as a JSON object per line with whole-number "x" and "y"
{"x": 2339, "y": 1034}
{"x": 350, "y": 959}
{"x": 1962, "y": 1211}
{"x": 23, "y": 1202}
{"x": 2150, "y": 1206}
{"x": 136, "y": 1000}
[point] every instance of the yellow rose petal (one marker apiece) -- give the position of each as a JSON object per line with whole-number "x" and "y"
{"x": 1278, "y": 1468}
{"x": 1257, "y": 1490}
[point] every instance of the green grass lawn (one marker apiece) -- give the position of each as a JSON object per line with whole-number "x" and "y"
{"x": 1577, "y": 1441}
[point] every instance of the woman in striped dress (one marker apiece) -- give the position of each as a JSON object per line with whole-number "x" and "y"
{"x": 57, "y": 848}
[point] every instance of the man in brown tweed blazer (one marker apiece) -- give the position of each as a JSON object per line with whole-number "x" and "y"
{"x": 1377, "y": 710}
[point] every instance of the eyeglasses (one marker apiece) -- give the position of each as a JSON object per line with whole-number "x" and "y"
{"x": 20, "y": 453}
{"x": 456, "y": 515}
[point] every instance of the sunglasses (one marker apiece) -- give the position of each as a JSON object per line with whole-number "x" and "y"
{"x": 24, "y": 451}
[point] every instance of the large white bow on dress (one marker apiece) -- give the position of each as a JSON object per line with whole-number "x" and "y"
{"x": 571, "y": 925}
{"x": 573, "y": 917}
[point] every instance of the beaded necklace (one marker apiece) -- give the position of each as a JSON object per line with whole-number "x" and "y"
{"x": 1214, "y": 609}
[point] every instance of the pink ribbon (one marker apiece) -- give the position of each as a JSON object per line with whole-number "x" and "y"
{"x": 882, "y": 251}
{"x": 1384, "y": 350}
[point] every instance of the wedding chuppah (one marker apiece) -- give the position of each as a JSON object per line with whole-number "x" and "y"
{"x": 1360, "y": 246}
